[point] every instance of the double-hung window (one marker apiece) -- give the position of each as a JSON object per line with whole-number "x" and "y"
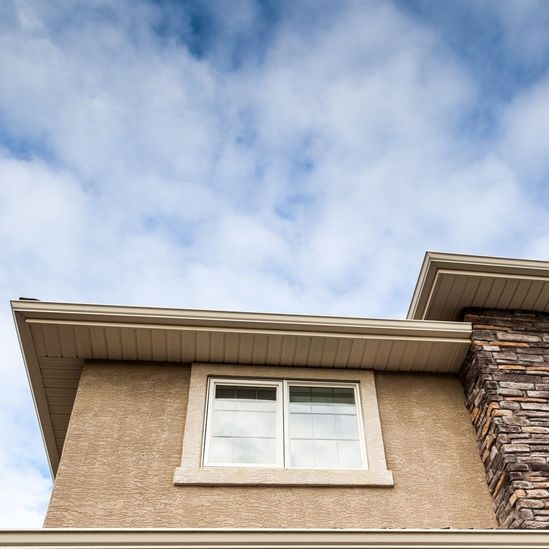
{"x": 283, "y": 424}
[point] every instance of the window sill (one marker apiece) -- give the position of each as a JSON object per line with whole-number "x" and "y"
{"x": 284, "y": 477}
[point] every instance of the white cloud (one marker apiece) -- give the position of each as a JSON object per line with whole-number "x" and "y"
{"x": 525, "y": 122}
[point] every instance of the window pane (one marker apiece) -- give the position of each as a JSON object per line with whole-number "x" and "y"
{"x": 344, "y": 395}
{"x": 243, "y": 425}
{"x": 223, "y": 423}
{"x": 266, "y": 451}
{"x": 349, "y": 454}
{"x": 244, "y": 450}
{"x": 324, "y": 426}
{"x": 346, "y": 427}
{"x": 325, "y": 453}
{"x": 224, "y": 404}
{"x": 341, "y": 408}
{"x": 300, "y": 407}
{"x": 265, "y": 424}
{"x": 301, "y": 426}
{"x": 266, "y": 393}
{"x": 302, "y": 453}
{"x": 221, "y": 450}
{"x": 323, "y": 431}
{"x": 266, "y": 405}
{"x": 300, "y": 394}
{"x": 222, "y": 391}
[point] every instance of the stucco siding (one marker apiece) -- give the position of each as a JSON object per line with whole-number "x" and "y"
{"x": 125, "y": 438}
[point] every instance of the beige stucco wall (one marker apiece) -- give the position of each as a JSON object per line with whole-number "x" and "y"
{"x": 125, "y": 438}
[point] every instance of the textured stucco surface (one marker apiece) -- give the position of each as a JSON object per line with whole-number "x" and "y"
{"x": 125, "y": 438}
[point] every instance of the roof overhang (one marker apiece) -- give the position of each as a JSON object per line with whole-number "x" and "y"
{"x": 57, "y": 338}
{"x": 450, "y": 283}
{"x": 274, "y": 539}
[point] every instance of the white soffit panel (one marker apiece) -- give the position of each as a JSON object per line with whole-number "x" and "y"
{"x": 450, "y": 283}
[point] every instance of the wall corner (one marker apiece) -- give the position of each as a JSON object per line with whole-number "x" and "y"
{"x": 505, "y": 377}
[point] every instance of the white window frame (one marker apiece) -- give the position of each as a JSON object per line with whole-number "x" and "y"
{"x": 212, "y": 383}
{"x": 358, "y": 410}
{"x": 193, "y": 472}
{"x": 282, "y": 386}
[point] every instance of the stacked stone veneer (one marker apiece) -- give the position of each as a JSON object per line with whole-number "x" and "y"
{"x": 506, "y": 382}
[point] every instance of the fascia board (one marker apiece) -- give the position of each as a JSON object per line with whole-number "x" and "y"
{"x": 274, "y": 538}
{"x": 38, "y": 393}
{"x": 149, "y": 316}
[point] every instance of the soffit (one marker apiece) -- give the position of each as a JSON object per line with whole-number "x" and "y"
{"x": 57, "y": 338}
{"x": 450, "y": 283}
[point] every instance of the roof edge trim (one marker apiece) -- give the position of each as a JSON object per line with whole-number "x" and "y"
{"x": 275, "y": 538}
{"x": 435, "y": 262}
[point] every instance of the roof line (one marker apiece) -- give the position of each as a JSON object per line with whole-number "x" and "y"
{"x": 274, "y": 538}
{"x": 435, "y": 262}
{"x": 73, "y": 312}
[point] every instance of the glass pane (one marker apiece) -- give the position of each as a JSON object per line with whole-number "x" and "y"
{"x": 346, "y": 427}
{"x": 266, "y": 405}
{"x": 302, "y": 453}
{"x": 223, "y": 391}
{"x": 224, "y": 404}
{"x": 221, "y": 450}
{"x": 243, "y": 425}
{"x": 320, "y": 419}
{"x": 300, "y": 394}
{"x": 341, "y": 408}
{"x": 223, "y": 423}
{"x": 322, "y": 408}
{"x": 301, "y": 426}
{"x": 266, "y": 393}
{"x": 344, "y": 395}
{"x": 266, "y": 451}
{"x": 244, "y": 450}
{"x": 324, "y": 426}
{"x": 300, "y": 407}
{"x": 265, "y": 424}
{"x": 322, "y": 394}
{"x": 325, "y": 453}
{"x": 349, "y": 454}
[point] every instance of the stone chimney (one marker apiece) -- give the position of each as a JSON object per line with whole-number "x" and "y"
{"x": 506, "y": 382}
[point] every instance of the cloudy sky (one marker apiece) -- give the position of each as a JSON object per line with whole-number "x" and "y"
{"x": 295, "y": 156}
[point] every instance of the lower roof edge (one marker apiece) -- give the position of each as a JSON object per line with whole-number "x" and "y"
{"x": 274, "y": 538}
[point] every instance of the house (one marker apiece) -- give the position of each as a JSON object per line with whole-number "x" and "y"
{"x": 218, "y": 429}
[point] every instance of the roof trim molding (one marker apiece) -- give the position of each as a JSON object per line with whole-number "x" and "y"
{"x": 273, "y": 538}
{"x": 468, "y": 267}
{"x": 72, "y": 313}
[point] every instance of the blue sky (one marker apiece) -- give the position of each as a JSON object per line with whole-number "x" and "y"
{"x": 295, "y": 156}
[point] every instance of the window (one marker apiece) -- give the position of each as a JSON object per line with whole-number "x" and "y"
{"x": 275, "y": 425}
{"x": 283, "y": 424}
{"x": 324, "y": 430}
{"x": 244, "y": 426}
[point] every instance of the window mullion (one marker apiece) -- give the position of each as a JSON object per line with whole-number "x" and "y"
{"x": 285, "y": 418}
